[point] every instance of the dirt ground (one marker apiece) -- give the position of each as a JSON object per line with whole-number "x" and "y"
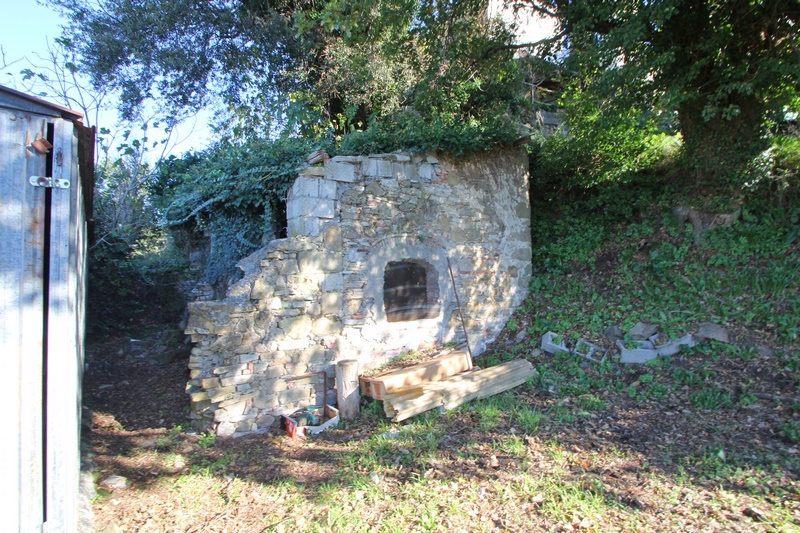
{"x": 651, "y": 456}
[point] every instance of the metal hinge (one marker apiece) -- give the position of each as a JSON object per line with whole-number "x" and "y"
{"x": 51, "y": 183}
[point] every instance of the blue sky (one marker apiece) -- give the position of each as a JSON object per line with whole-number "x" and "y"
{"x": 26, "y": 27}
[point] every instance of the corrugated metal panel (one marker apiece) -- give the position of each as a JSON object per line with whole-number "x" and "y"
{"x": 21, "y": 310}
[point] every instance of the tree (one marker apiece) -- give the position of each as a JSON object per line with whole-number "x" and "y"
{"x": 296, "y": 65}
{"x": 723, "y": 66}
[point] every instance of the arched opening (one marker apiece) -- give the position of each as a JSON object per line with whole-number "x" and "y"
{"x": 410, "y": 290}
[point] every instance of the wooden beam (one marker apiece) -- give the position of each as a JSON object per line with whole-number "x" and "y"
{"x": 436, "y": 369}
{"x": 456, "y": 390}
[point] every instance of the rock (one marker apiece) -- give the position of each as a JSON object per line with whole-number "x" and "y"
{"x": 375, "y": 478}
{"x": 114, "y": 482}
{"x": 613, "y": 333}
{"x": 493, "y": 462}
{"x": 765, "y": 351}
{"x": 715, "y": 332}
{"x": 226, "y": 429}
{"x": 111, "y": 528}
{"x": 520, "y": 337}
{"x": 642, "y": 331}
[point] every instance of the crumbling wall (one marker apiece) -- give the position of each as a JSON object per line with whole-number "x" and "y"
{"x": 318, "y": 295}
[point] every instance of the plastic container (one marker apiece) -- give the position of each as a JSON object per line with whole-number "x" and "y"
{"x": 299, "y": 432}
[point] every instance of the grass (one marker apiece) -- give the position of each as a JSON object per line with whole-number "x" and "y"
{"x": 681, "y": 443}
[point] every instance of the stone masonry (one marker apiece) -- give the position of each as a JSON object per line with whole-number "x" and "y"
{"x": 321, "y": 294}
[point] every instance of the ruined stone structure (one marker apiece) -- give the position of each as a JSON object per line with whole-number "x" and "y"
{"x": 364, "y": 274}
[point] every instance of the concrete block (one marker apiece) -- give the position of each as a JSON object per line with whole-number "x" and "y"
{"x": 295, "y": 227}
{"x": 307, "y": 186}
{"x": 327, "y": 189}
{"x": 340, "y": 171}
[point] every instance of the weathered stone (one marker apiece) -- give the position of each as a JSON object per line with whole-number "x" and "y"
{"x": 272, "y": 386}
{"x": 198, "y": 396}
{"x": 325, "y": 326}
{"x": 340, "y": 171}
{"x": 294, "y": 395}
{"x": 238, "y": 398}
{"x": 265, "y": 421}
{"x": 613, "y": 333}
{"x": 332, "y": 238}
{"x": 315, "y": 262}
{"x": 248, "y": 357}
{"x": 332, "y": 282}
{"x": 210, "y": 383}
{"x": 711, "y": 331}
{"x": 312, "y": 354}
{"x": 296, "y": 327}
{"x": 642, "y": 331}
{"x": 220, "y": 394}
{"x": 226, "y": 429}
{"x": 330, "y": 273}
{"x": 237, "y": 380}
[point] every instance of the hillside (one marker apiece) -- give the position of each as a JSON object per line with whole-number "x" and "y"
{"x": 705, "y": 440}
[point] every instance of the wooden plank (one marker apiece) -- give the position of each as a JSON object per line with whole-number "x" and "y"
{"x": 456, "y": 390}
{"x": 436, "y": 369}
{"x": 21, "y": 312}
{"x": 64, "y": 339}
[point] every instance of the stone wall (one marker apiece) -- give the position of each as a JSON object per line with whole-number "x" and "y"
{"x": 320, "y": 295}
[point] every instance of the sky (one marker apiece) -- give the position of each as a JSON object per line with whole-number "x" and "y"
{"x": 26, "y": 27}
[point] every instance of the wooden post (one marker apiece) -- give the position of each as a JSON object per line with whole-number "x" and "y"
{"x": 347, "y": 389}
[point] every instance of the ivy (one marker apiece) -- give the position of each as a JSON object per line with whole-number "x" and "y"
{"x": 234, "y": 193}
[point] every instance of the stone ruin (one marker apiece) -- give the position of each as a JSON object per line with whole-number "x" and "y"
{"x": 364, "y": 274}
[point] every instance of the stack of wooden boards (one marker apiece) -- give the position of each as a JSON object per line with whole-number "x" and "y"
{"x": 444, "y": 382}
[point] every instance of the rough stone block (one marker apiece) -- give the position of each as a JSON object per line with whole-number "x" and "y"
{"x": 198, "y": 396}
{"x": 307, "y": 186}
{"x": 312, "y": 354}
{"x": 340, "y": 171}
{"x": 210, "y": 383}
{"x": 522, "y": 254}
{"x": 237, "y": 380}
{"x": 324, "y": 326}
{"x": 265, "y": 400}
{"x": 273, "y": 386}
{"x": 296, "y": 327}
{"x": 295, "y": 227}
{"x": 248, "y": 357}
{"x": 332, "y": 238}
{"x": 237, "y": 398}
{"x": 327, "y": 189}
{"x": 332, "y": 282}
{"x": 376, "y": 167}
{"x": 226, "y": 429}
{"x": 315, "y": 262}
{"x": 262, "y": 289}
{"x": 310, "y": 226}
{"x": 265, "y": 421}
{"x": 297, "y": 344}
{"x": 220, "y": 394}
{"x": 294, "y": 395}
{"x": 331, "y": 303}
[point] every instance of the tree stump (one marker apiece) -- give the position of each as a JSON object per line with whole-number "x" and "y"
{"x": 347, "y": 390}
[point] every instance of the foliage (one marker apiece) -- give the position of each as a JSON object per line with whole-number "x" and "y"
{"x": 235, "y": 192}
{"x": 723, "y": 66}
{"x": 303, "y": 67}
{"x": 443, "y": 132}
{"x": 133, "y": 269}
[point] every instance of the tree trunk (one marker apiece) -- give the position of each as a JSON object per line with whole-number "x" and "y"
{"x": 717, "y": 148}
{"x": 347, "y": 389}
